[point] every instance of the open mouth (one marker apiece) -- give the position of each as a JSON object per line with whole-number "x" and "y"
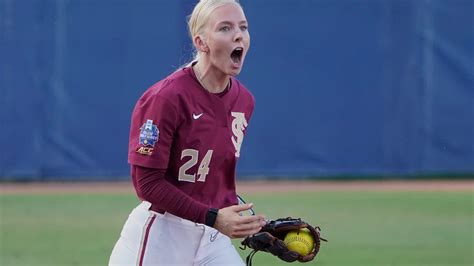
{"x": 236, "y": 55}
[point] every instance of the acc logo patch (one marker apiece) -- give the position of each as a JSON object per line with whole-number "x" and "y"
{"x": 149, "y": 134}
{"x": 145, "y": 150}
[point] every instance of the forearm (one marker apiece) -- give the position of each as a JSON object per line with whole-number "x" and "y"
{"x": 151, "y": 185}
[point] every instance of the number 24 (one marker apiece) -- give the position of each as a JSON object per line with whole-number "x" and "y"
{"x": 203, "y": 169}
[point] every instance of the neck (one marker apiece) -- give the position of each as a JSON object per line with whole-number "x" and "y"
{"x": 212, "y": 80}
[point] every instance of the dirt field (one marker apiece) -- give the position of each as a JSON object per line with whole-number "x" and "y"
{"x": 247, "y": 187}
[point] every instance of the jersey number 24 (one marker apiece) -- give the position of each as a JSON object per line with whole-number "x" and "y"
{"x": 203, "y": 168}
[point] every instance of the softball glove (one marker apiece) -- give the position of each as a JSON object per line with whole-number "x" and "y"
{"x": 271, "y": 239}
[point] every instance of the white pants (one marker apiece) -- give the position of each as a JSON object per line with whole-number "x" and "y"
{"x": 150, "y": 238}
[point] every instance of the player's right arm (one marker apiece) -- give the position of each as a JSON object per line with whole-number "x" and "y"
{"x": 154, "y": 123}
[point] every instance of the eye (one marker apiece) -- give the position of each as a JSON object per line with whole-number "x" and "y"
{"x": 244, "y": 27}
{"x": 224, "y": 28}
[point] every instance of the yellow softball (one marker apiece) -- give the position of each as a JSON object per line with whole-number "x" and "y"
{"x": 300, "y": 241}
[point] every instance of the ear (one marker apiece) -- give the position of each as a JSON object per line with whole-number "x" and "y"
{"x": 200, "y": 44}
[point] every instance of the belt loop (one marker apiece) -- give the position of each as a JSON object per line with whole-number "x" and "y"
{"x": 146, "y": 205}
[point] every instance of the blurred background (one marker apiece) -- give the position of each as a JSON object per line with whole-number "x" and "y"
{"x": 343, "y": 88}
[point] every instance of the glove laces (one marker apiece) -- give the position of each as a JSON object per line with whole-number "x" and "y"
{"x": 248, "y": 260}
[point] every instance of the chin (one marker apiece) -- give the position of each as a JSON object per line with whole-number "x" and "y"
{"x": 234, "y": 72}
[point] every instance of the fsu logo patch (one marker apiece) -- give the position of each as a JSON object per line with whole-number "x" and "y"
{"x": 238, "y": 126}
{"x": 149, "y": 134}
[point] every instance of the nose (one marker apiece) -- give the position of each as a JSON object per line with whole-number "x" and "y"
{"x": 238, "y": 36}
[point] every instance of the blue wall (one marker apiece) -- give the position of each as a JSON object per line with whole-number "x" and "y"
{"x": 349, "y": 87}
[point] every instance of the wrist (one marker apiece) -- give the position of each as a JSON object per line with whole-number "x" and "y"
{"x": 211, "y": 217}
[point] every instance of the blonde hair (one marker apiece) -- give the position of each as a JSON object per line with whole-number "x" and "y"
{"x": 199, "y": 18}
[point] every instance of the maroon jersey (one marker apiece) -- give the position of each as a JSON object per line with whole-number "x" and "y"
{"x": 192, "y": 135}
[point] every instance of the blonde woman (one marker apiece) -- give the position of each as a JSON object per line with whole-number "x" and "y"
{"x": 185, "y": 140}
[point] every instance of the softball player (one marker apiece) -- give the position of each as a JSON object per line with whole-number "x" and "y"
{"x": 185, "y": 140}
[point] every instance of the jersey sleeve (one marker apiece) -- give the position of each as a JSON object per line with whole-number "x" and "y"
{"x": 154, "y": 121}
{"x": 151, "y": 185}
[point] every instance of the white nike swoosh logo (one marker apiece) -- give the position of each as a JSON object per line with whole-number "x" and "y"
{"x": 197, "y": 116}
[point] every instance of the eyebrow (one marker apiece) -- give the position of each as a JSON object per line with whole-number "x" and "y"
{"x": 230, "y": 23}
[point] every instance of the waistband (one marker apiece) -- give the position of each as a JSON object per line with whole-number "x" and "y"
{"x": 209, "y": 233}
{"x": 145, "y": 205}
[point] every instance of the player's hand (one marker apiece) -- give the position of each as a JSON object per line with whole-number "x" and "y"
{"x": 233, "y": 225}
